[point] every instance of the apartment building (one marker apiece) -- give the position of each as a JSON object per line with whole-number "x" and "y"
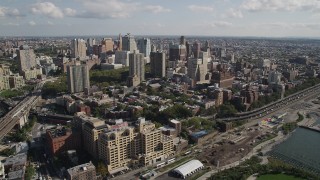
{"x": 121, "y": 145}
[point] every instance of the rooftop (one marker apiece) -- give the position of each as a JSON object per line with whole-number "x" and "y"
{"x": 58, "y": 132}
{"x": 81, "y": 168}
{"x": 19, "y": 159}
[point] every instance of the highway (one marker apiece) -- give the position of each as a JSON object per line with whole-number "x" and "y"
{"x": 8, "y": 122}
{"x": 281, "y": 103}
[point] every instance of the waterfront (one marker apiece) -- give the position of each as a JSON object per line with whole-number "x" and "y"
{"x": 301, "y": 149}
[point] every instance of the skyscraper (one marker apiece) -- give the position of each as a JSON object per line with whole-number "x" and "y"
{"x": 196, "y": 49}
{"x": 136, "y": 65}
{"x": 122, "y": 57}
{"x": 90, "y": 43}
{"x": 78, "y": 48}
{"x": 107, "y": 43}
{"x": 129, "y": 43}
{"x": 120, "y": 43}
{"x": 26, "y": 58}
{"x": 198, "y": 67}
{"x": 78, "y": 78}
{"x": 182, "y": 40}
{"x": 177, "y": 52}
{"x": 158, "y": 64}
{"x": 144, "y": 46}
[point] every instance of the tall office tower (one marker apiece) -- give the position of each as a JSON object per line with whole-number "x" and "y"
{"x": 26, "y": 58}
{"x": 122, "y": 57}
{"x": 136, "y": 65}
{"x": 204, "y": 56}
{"x": 158, "y": 64}
{"x": 196, "y": 49}
{"x": 78, "y": 48}
{"x": 78, "y": 78}
{"x": 206, "y": 44}
{"x": 177, "y": 52}
{"x": 91, "y": 42}
{"x": 182, "y": 40}
{"x": 129, "y": 43}
{"x": 188, "y": 49}
{"x": 197, "y": 68}
{"x": 144, "y": 46}
{"x": 108, "y": 44}
{"x": 120, "y": 42}
{"x": 153, "y": 48}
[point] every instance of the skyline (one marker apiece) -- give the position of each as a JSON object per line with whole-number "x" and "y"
{"x": 248, "y": 18}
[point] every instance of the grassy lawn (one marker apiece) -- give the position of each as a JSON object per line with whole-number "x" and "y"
{"x": 10, "y": 93}
{"x": 277, "y": 177}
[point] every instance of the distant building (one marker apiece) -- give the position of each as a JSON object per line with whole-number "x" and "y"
{"x": 290, "y": 74}
{"x": 196, "y": 49}
{"x": 133, "y": 81}
{"x": 82, "y": 172}
{"x": 122, "y": 57}
{"x": 223, "y": 78}
{"x": 129, "y": 43}
{"x": 78, "y": 78}
{"x": 197, "y": 69}
{"x": 227, "y": 95}
{"x": 107, "y": 44}
{"x": 78, "y": 48}
{"x": 274, "y": 77}
{"x": 182, "y": 40}
{"x": 158, "y": 64}
{"x": 177, "y": 52}
{"x": 144, "y": 46}
{"x": 250, "y": 95}
{"x": 264, "y": 63}
{"x": 26, "y": 58}
{"x": 176, "y": 125}
{"x": 218, "y": 95}
{"x": 137, "y": 66}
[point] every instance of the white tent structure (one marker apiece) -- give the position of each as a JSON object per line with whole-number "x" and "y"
{"x": 189, "y": 168}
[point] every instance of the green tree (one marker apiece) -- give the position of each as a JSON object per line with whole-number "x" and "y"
{"x": 30, "y": 171}
{"x": 102, "y": 169}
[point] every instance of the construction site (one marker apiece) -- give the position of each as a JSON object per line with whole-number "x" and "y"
{"x": 232, "y": 146}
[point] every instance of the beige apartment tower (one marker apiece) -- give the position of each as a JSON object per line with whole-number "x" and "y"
{"x": 124, "y": 146}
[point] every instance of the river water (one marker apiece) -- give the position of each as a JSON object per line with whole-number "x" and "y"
{"x": 301, "y": 149}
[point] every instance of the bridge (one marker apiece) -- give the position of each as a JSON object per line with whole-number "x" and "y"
{"x": 18, "y": 115}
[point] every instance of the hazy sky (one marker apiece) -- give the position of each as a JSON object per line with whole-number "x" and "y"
{"x": 161, "y": 17}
